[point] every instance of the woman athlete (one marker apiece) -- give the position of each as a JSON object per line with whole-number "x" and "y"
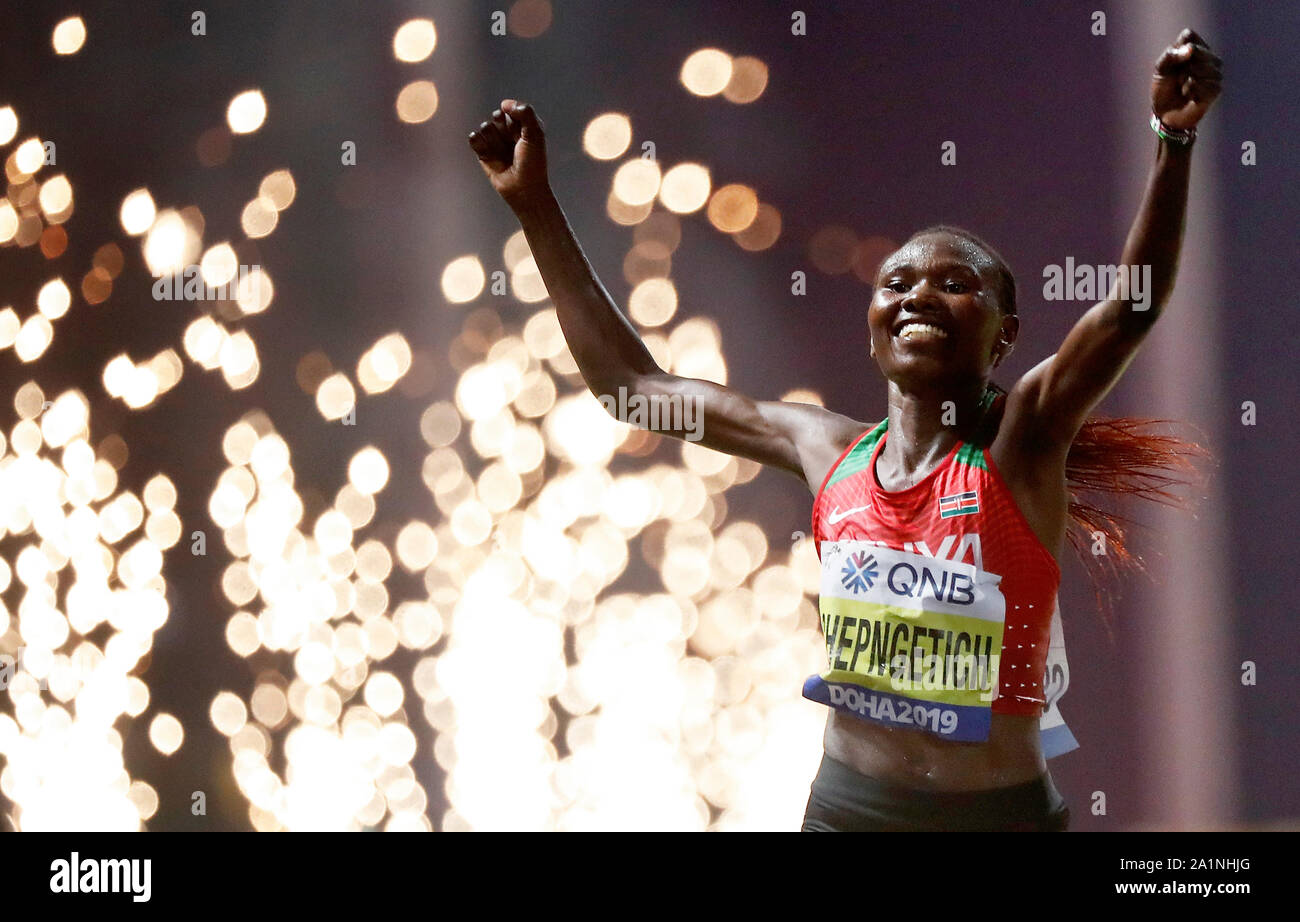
{"x": 957, "y": 503}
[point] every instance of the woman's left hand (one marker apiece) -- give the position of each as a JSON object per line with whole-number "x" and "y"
{"x": 1187, "y": 80}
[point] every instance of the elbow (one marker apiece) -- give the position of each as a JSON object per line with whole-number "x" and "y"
{"x": 607, "y": 387}
{"x": 1138, "y": 317}
{"x": 1136, "y": 310}
{"x": 607, "y": 376}
{"x": 611, "y": 381}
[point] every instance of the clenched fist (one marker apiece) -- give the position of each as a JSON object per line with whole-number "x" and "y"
{"x": 511, "y": 148}
{"x": 1187, "y": 80}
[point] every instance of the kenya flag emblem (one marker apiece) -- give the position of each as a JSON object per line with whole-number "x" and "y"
{"x": 959, "y": 504}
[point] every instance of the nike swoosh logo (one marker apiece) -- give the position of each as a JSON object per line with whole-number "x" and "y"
{"x": 836, "y": 517}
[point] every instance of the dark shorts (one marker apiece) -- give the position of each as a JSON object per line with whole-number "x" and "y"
{"x": 844, "y": 800}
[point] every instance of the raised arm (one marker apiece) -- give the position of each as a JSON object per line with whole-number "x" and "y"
{"x": 799, "y": 438}
{"x": 1054, "y": 398}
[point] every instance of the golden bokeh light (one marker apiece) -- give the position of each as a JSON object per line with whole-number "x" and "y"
{"x": 463, "y": 279}
{"x": 653, "y": 302}
{"x": 53, "y": 299}
{"x": 748, "y": 80}
{"x": 238, "y": 360}
{"x": 9, "y": 222}
{"x": 259, "y": 217}
{"x": 254, "y": 291}
{"x": 56, "y": 199}
{"x": 9, "y": 327}
{"x": 414, "y": 40}
{"x": 8, "y": 124}
{"x": 368, "y": 470}
{"x": 278, "y": 188}
{"x": 417, "y": 545}
{"x": 607, "y": 136}
{"x": 383, "y": 694}
{"x": 335, "y": 396}
{"x": 29, "y": 157}
{"x": 529, "y": 18}
{"x": 138, "y": 212}
{"x": 170, "y": 244}
{"x": 869, "y": 254}
{"x": 440, "y": 424}
{"x": 763, "y": 232}
{"x": 358, "y": 604}
{"x": 659, "y": 235}
{"x": 246, "y": 112}
{"x": 803, "y": 395}
{"x": 29, "y": 400}
{"x": 620, "y": 212}
{"x": 733, "y": 208}
{"x": 166, "y": 734}
{"x": 526, "y": 282}
{"x": 203, "y": 340}
{"x": 311, "y": 370}
{"x": 833, "y": 248}
{"x": 707, "y": 72}
{"x": 159, "y": 493}
{"x": 228, "y": 713}
{"x": 515, "y": 250}
{"x": 269, "y": 705}
{"x": 33, "y": 338}
{"x": 144, "y": 797}
{"x": 69, "y": 35}
{"x": 637, "y": 182}
{"x": 685, "y": 188}
{"x": 417, "y": 101}
{"x": 384, "y": 364}
{"x": 218, "y": 264}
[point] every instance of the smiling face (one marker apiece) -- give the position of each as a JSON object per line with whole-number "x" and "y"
{"x": 935, "y": 316}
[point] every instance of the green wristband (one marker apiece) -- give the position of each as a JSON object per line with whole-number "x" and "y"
{"x": 1172, "y": 135}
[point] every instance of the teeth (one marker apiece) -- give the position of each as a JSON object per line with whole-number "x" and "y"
{"x": 921, "y": 331}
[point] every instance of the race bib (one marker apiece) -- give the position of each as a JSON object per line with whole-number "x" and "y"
{"x": 911, "y": 640}
{"x": 1055, "y": 735}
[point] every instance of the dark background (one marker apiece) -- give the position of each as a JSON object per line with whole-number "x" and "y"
{"x": 846, "y": 133}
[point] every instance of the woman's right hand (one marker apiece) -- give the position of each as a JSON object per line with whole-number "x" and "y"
{"x": 800, "y": 438}
{"x": 511, "y": 148}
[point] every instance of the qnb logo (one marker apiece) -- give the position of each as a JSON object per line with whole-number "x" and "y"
{"x": 924, "y": 581}
{"x": 859, "y": 573}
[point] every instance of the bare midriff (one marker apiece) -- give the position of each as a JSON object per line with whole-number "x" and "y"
{"x": 917, "y": 759}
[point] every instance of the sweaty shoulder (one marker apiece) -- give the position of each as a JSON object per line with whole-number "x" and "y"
{"x": 1032, "y": 466}
{"x": 1024, "y": 435}
{"x": 819, "y": 435}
